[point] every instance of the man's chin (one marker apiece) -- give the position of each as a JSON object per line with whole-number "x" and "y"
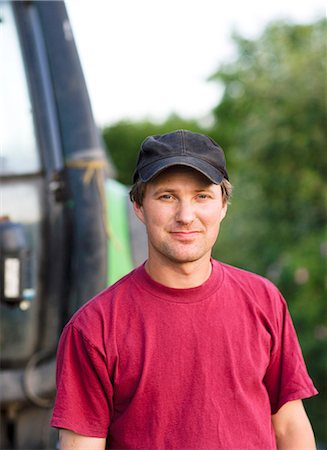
{"x": 185, "y": 258}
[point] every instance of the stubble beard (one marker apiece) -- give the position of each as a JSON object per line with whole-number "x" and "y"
{"x": 180, "y": 253}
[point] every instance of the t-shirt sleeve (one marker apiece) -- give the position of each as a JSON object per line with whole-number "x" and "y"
{"x": 84, "y": 391}
{"x": 286, "y": 377}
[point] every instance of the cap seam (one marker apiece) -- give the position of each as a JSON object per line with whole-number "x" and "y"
{"x": 183, "y": 142}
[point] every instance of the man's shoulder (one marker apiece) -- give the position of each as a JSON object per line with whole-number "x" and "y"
{"x": 246, "y": 276}
{"x": 249, "y": 283}
{"x": 98, "y": 308}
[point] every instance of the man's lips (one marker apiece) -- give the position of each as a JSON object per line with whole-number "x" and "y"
{"x": 185, "y": 234}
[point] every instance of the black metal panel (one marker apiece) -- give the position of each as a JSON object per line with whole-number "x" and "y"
{"x": 81, "y": 144}
{"x": 52, "y": 275}
{"x": 76, "y": 119}
{"x": 40, "y": 86}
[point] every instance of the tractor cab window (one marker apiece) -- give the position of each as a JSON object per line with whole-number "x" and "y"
{"x": 19, "y": 153}
{"x": 21, "y": 210}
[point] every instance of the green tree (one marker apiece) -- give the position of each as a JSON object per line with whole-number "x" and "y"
{"x": 272, "y": 123}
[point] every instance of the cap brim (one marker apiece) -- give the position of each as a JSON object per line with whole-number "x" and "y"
{"x": 149, "y": 171}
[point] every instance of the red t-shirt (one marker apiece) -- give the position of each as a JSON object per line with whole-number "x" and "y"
{"x": 152, "y": 367}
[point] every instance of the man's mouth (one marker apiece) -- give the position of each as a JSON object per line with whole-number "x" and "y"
{"x": 185, "y": 234}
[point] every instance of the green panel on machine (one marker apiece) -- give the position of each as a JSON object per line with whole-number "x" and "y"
{"x": 120, "y": 260}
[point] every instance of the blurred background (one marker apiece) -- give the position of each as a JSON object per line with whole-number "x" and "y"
{"x": 252, "y": 76}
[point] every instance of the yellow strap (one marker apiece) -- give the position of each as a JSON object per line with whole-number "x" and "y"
{"x": 91, "y": 167}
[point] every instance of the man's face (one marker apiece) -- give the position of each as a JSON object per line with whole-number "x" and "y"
{"x": 182, "y": 211}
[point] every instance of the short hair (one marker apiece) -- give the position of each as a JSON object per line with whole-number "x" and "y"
{"x": 137, "y": 191}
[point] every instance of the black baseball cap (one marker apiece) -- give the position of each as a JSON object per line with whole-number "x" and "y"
{"x": 181, "y": 147}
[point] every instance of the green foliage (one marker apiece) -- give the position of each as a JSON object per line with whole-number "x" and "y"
{"x": 272, "y": 120}
{"x": 124, "y": 138}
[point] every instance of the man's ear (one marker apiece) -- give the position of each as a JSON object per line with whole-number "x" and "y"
{"x": 139, "y": 211}
{"x": 223, "y": 212}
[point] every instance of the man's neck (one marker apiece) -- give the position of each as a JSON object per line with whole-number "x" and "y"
{"x": 179, "y": 276}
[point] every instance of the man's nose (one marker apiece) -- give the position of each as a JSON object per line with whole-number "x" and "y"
{"x": 185, "y": 212}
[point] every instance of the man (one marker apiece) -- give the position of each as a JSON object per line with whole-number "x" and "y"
{"x": 184, "y": 352}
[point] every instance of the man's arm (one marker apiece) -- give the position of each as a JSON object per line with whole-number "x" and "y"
{"x": 71, "y": 441}
{"x": 292, "y": 427}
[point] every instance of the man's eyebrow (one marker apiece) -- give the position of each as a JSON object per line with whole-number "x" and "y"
{"x": 162, "y": 189}
{"x": 206, "y": 188}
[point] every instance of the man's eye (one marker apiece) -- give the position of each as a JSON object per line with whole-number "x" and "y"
{"x": 203, "y": 196}
{"x": 166, "y": 197}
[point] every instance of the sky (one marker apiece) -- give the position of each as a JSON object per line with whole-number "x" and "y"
{"x": 147, "y": 59}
